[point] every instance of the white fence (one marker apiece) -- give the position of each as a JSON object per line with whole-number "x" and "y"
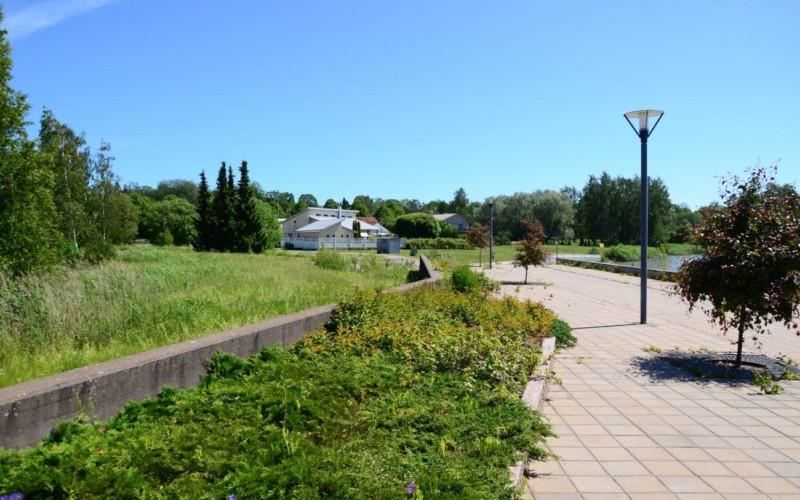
{"x": 332, "y": 243}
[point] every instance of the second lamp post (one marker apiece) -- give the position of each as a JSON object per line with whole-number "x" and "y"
{"x": 644, "y": 131}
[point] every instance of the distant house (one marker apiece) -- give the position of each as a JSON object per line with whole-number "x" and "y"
{"x": 456, "y": 221}
{"x": 373, "y": 221}
{"x": 315, "y": 228}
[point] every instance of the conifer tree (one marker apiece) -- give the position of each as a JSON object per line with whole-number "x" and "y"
{"x": 249, "y": 237}
{"x": 204, "y": 222}
{"x": 221, "y": 208}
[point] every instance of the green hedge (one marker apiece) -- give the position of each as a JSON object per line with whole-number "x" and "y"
{"x": 621, "y": 253}
{"x": 400, "y": 392}
{"x": 439, "y": 243}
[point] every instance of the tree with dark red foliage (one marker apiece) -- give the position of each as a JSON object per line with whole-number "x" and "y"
{"x": 530, "y": 251}
{"x": 748, "y": 275}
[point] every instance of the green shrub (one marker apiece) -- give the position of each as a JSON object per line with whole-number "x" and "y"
{"x": 439, "y": 243}
{"x": 441, "y": 330}
{"x": 561, "y": 330}
{"x": 621, "y": 253}
{"x": 328, "y": 259}
{"x": 421, "y": 387}
{"x": 417, "y": 225}
{"x": 464, "y": 279}
{"x": 502, "y": 238}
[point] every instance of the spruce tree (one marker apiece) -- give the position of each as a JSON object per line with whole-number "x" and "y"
{"x": 204, "y": 223}
{"x": 222, "y": 214}
{"x": 249, "y": 237}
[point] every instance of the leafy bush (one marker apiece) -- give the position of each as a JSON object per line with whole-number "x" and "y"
{"x": 503, "y": 238}
{"x": 419, "y": 388}
{"x": 439, "y": 243}
{"x": 328, "y": 259}
{"x": 441, "y": 330}
{"x": 621, "y": 253}
{"x": 561, "y": 330}
{"x": 464, "y": 279}
{"x": 417, "y": 225}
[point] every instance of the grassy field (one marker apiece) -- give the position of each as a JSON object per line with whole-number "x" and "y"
{"x": 149, "y": 297}
{"x": 506, "y": 253}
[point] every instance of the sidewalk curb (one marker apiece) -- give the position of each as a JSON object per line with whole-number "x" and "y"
{"x": 532, "y": 396}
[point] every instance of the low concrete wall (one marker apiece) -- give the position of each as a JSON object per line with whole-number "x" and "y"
{"x": 656, "y": 274}
{"x": 30, "y": 410}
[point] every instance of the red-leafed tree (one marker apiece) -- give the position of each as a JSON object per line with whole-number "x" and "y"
{"x": 530, "y": 251}
{"x": 478, "y": 237}
{"x": 748, "y": 275}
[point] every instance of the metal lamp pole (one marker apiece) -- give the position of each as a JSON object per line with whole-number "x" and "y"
{"x": 491, "y": 232}
{"x": 644, "y": 133}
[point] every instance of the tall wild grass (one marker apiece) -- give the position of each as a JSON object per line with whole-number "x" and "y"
{"x": 151, "y": 296}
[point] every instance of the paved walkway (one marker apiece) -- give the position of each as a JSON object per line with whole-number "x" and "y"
{"x": 632, "y": 426}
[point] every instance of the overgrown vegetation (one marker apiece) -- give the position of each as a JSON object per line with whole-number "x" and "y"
{"x": 152, "y": 296}
{"x": 464, "y": 279}
{"x": 416, "y": 391}
{"x": 561, "y": 330}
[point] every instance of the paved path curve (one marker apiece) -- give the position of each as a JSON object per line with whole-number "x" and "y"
{"x": 632, "y": 426}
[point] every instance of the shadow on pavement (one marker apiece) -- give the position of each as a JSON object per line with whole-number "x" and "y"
{"x": 676, "y": 366}
{"x": 603, "y": 326}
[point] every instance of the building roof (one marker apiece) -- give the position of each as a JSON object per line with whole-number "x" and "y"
{"x": 323, "y": 224}
{"x": 445, "y": 216}
{"x": 369, "y": 220}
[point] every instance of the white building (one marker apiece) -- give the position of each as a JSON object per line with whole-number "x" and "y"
{"x": 315, "y": 228}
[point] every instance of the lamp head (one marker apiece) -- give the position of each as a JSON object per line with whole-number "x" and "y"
{"x": 644, "y": 117}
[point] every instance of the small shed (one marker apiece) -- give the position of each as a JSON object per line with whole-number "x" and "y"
{"x": 389, "y": 245}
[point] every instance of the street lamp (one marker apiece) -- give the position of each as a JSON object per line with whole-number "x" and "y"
{"x": 644, "y": 131}
{"x": 491, "y": 230}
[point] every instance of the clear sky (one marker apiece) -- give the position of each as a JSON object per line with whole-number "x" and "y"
{"x": 414, "y": 98}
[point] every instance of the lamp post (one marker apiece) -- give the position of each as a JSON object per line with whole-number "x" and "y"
{"x": 491, "y": 231}
{"x": 644, "y": 131}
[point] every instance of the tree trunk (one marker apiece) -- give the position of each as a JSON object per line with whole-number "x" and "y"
{"x": 480, "y": 262}
{"x": 739, "y": 345}
{"x": 526, "y": 275}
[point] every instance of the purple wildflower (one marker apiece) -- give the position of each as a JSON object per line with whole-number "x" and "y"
{"x": 411, "y": 488}
{"x": 231, "y": 497}
{"x": 12, "y": 496}
{"x": 502, "y": 378}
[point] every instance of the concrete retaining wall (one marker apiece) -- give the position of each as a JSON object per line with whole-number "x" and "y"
{"x": 30, "y": 410}
{"x": 656, "y": 274}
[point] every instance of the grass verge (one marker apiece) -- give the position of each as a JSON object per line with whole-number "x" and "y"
{"x": 152, "y": 296}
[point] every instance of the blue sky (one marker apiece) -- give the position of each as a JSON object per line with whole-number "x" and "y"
{"x": 413, "y": 99}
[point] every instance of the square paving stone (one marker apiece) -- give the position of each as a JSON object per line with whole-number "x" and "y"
{"x": 709, "y": 468}
{"x": 596, "y": 484}
{"x": 728, "y": 484}
{"x": 611, "y": 454}
{"x": 551, "y": 484}
{"x": 641, "y": 484}
{"x": 686, "y": 484}
{"x": 618, "y": 468}
{"x": 582, "y": 468}
{"x": 770, "y": 485}
{"x": 667, "y": 468}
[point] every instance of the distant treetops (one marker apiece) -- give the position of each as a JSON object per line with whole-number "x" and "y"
{"x": 232, "y": 219}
